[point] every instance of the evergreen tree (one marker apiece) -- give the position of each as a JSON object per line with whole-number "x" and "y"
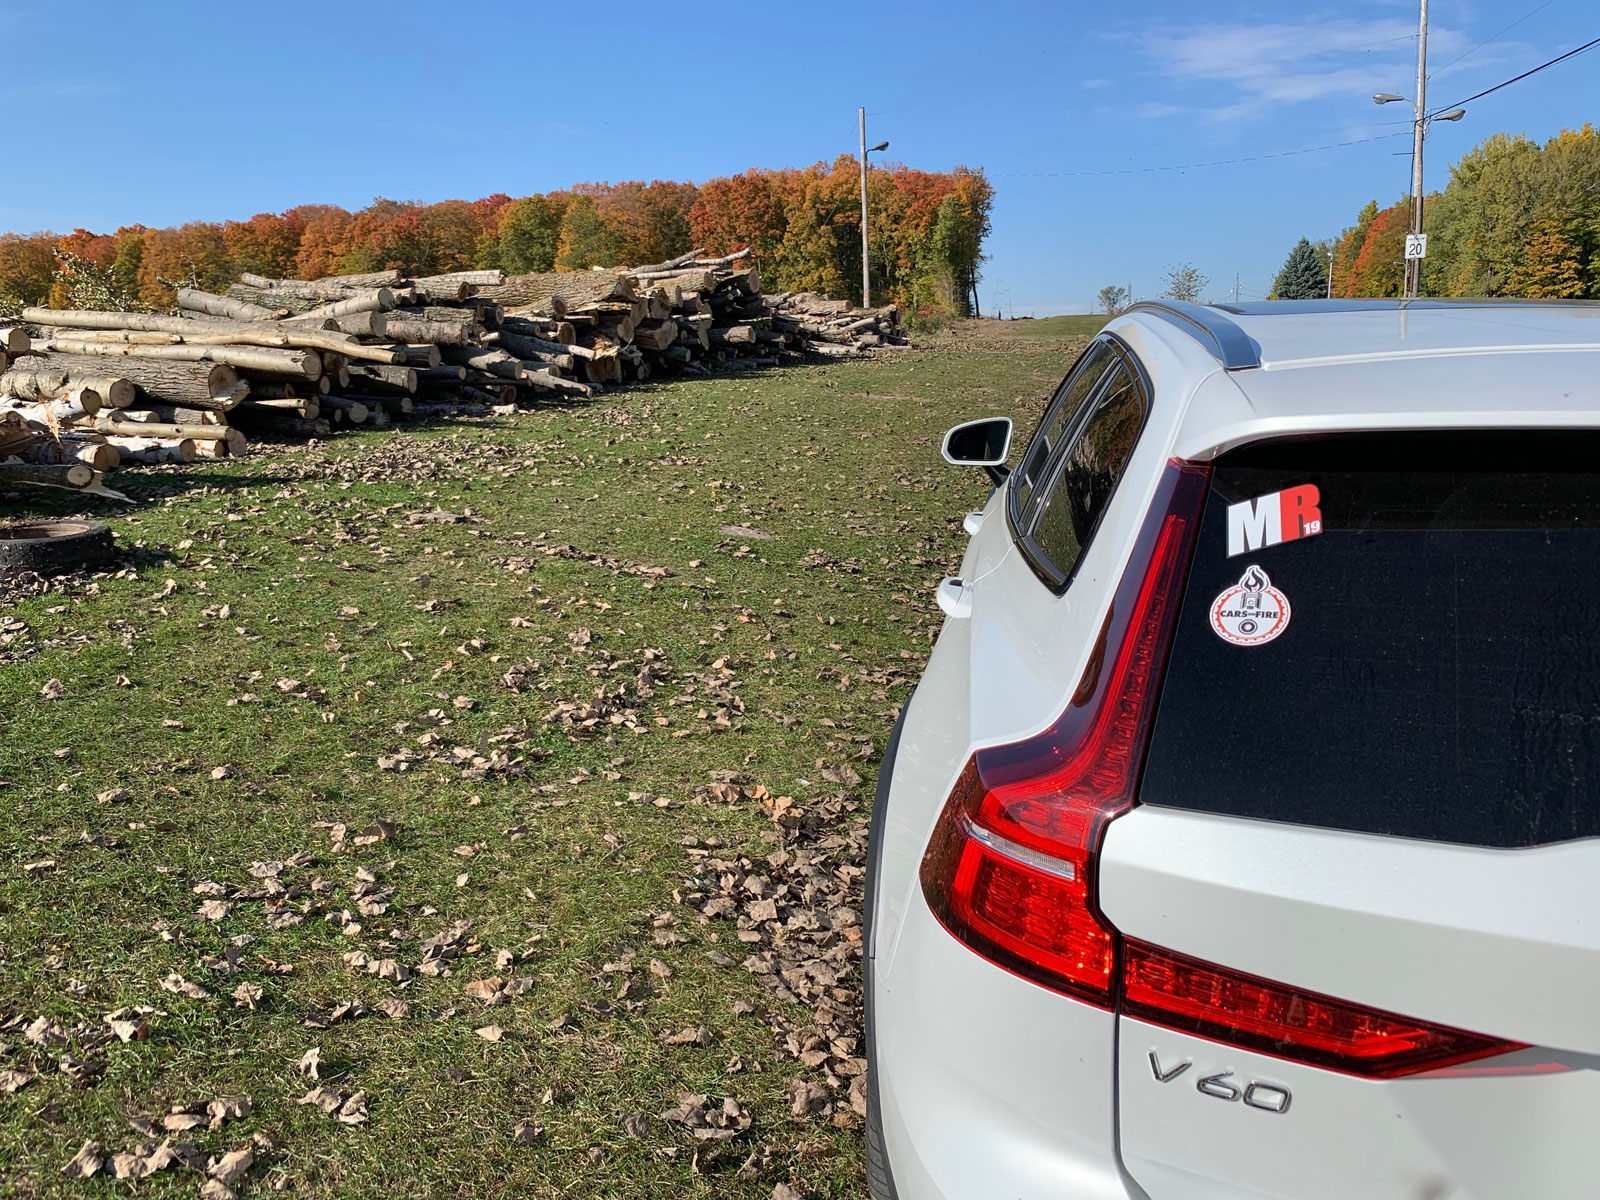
{"x": 1303, "y": 276}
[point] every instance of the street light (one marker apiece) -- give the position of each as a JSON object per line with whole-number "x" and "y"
{"x": 1419, "y": 127}
{"x": 866, "y": 280}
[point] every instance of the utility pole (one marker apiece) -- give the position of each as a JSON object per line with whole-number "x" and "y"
{"x": 1330, "y": 274}
{"x": 1236, "y": 287}
{"x": 1414, "y": 265}
{"x": 866, "y": 269}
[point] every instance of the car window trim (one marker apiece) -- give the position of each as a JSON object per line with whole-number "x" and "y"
{"x": 1032, "y": 553}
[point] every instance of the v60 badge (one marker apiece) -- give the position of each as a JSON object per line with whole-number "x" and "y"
{"x": 1268, "y": 1097}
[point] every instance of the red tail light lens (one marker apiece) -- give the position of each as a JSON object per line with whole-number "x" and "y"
{"x": 1226, "y": 1006}
{"x": 1010, "y": 868}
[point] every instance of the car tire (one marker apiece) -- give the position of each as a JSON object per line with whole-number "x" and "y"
{"x": 880, "y": 1179}
{"x": 52, "y": 547}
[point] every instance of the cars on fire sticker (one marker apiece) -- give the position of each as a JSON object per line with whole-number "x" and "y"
{"x": 1273, "y": 519}
{"x": 1252, "y": 612}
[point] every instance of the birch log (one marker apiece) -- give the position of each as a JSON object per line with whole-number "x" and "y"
{"x": 192, "y": 300}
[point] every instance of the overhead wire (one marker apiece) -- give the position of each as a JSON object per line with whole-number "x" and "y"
{"x": 1519, "y": 78}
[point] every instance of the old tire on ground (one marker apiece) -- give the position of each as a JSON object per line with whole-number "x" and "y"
{"x": 52, "y": 547}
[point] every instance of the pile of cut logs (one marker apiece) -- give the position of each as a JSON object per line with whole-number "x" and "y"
{"x": 83, "y": 392}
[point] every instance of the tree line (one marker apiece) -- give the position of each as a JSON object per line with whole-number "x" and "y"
{"x": 803, "y": 225}
{"x": 1517, "y": 218}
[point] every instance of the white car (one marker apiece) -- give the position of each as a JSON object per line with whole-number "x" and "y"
{"x": 1240, "y": 838}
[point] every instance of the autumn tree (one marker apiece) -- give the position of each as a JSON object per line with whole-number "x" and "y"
{"x": 587, "y": 239}
{"x": 1553, "y": 264}
{"x": 529, "y": 235}
{"x": 1379, "y": 266}
{"x": 27, "y": 265}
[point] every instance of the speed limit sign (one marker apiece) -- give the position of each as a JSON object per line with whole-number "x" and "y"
{"x": 1416, "y": 245}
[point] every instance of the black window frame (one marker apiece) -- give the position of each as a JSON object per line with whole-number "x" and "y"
{"x": 1051, "y": 575}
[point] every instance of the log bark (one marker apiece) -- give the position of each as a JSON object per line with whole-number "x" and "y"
{"x": 354, "y": 411}
{"x": 494, "y": 362}
{"x": 300, "y": 288}
{"x": 438, "y": 333}
{"x": 34, "y": 381}
{"x": 669, "y": 265}
{"x": 13, "y": 340}
{"x": 442, "y": 288}
{"x": 65, "y": 475}
{"x": 491, "y": 278}
{"x": 196, "y": 384}
{"x": 391, "y": 379}
{"x": 75, "y": 403}
{"x": 655, "y": 335}
{"x": 362, "y": 324}
{"x": 526, "y": 346}
{"x": 254, "y": 406}
{"x": 373, "y": 279}
{"x": 224, "y": 306}
{"x": 736, "y": 335}
{"x": 377, "y": 300}
{"x": 151, "y": 450}
{"x": 303, "y": 364}
{"x": 121, "y": 426}
{"x": 425, "y": 355}
{"x": 572, "y": 288}
{"x": 213, "y": 333}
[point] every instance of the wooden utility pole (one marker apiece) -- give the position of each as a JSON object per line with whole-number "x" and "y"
{"x": 866, "y": 265}
{"x": 1418, "y": 126}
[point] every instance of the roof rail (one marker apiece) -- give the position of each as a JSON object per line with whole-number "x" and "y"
{"x": 1229, "y": 345}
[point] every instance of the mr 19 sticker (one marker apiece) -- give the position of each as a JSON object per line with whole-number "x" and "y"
{"x": 1252, "y": 612}
{"x": 1273, "y": 519}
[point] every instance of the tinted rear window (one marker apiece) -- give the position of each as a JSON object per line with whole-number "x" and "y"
{"x": 1438, "y": 672}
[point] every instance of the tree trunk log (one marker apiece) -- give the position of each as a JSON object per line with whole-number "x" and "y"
{"x": 197, "y": 384}
{"x": 439, "y": 333}
{"x": 122, "y": 426}
{"x": 389, "y": 379}
{"x": 378, "y": 300}
{"x": 302, "y": 364}
{"x": 224, "y": 306}
{"x": 13, "y": 340}
{"x": 491, "y": 278}
{"x": 154, "y": 450}
{"x": 354, "y": 411}
{"x": 424, "y": 355}
{"x": 213, "y": 333}
{"x": 374, "y": 279}
{"x": 450, "y": 374}
{"x": 65, "y": 475}
{"x": 525, "y": 346}
{"x": 669, "y": 265}
{"x": 655, "y": 335}
{"x": 573, "y": 288}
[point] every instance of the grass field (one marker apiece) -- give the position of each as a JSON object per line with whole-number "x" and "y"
{"x": 519, "y": 767}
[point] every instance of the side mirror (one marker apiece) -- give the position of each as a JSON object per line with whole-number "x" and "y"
{"x": 985, "y": 443}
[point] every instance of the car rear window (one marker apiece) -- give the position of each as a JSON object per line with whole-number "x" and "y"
{"x": 1393, "y": 634}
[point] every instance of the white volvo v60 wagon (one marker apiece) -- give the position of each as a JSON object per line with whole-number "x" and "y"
{"x": 1241, "y": 837}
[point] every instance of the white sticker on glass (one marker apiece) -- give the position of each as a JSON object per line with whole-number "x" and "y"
{"x": 1252, "y": 612}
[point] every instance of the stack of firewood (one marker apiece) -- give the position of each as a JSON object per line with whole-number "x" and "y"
{"x": 289, "y": 356}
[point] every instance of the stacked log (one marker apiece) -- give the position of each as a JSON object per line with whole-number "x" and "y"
{"x": 297, "y": 357}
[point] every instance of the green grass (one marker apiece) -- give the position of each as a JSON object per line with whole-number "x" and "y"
{"x": 1073, "y": 325}
{"x": 302, "y": 567}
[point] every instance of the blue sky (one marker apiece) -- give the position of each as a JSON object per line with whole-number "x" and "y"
{"x": 174, "y": 112}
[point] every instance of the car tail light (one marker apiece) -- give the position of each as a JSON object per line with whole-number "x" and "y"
{"x": 1226, "y": 1006}
{"x": 1010, "y": 868}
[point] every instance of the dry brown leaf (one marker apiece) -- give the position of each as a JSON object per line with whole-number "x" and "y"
{"x": 227, "y": 1108}
{"x": 178, "y": 985}
{"x": 53, "y": 689}
{"x": 13, "y": 1081}
{"x": 230, "y": 1166}
{"x": 324, "y": 1098}
{"x": 490, "y": 1033}
{"x": 214, "y": 910}
{"x": 354, "y": 1110}
{"x": 525, "y": 1132}
{"x": 310, "y": 1063}
{"x": 86, "y": 1163}
{"x": 783, "y": 1191}
{"x": 246, "y": 995}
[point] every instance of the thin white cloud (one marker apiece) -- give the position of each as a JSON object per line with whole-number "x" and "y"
{"x": 1096, "y": 83}
{"x": 1246, "y": 68}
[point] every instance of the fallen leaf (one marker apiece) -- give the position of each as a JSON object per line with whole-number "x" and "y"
{"x": 86, "y": 1163}
{"x": 227, "y": 1108}
{"x": 525, "y": 1132}
{"x": 230, "y": 1166}
{"x": 214, "y": 910}
{"x": 178, "y": 985}
{"x": 246, "y": 995}
{"x": 490, "y": 1033}
{"x": 13, "y": 1081}
{"x": 53, "y": 690}
{"x": 310, "y": 1063}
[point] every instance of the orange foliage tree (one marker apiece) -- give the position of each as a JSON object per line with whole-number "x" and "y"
{"x": 801, "y": 225}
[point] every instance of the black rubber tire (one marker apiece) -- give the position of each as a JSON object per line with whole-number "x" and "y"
{"x": 52, "y": 547}
{"x": 880, "y": 1179}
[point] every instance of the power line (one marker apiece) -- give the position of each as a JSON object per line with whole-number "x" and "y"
{"x": 1519, "y": 78}
{"x": 1220, "y": 162}
{"x": 1495, "y": 38}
